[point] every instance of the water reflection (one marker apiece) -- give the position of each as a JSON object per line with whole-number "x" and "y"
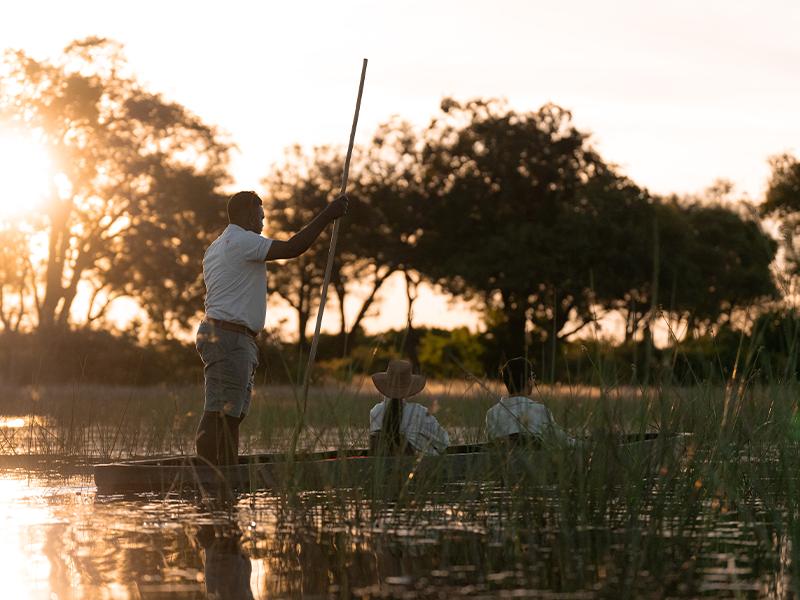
{"x": 12, "y": 422}
{"x": 62, "y": 542}
{"x": 227, "y": 567}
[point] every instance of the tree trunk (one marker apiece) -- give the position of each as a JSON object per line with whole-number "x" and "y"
{"x": 378, "y": 280}
{"x": 341, "y": 338}
{"x": 303, "y": 315}
{"x": 377, "y": 283}
{"x": 57, "y": 251}
{"x": 411, "y": 295}
{"x": 82, "y": 262}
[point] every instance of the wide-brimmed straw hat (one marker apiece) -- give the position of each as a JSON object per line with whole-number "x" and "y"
{"x": 397, "y": 381}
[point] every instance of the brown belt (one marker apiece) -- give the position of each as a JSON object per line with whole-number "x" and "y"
{"x": 231, "y": 327}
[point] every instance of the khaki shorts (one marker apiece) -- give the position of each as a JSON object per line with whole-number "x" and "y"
{"x": 230, "y": 360}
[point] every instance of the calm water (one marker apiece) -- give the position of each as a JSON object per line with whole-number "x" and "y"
{"x": 61, "y": 541}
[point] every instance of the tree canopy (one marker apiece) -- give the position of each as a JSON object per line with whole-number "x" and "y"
{"x": 372, "y": 238}
{"x": 783, "y": 202}
{"x": 135, "y": 201}
{"x": 518, "y": 206}
{"x": 520, "y": 210}
{"x": 298, "y": 189}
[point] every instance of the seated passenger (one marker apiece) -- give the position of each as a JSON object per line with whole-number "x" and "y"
{"x": 518, "y": 419}
{"x": 400, "y": 427}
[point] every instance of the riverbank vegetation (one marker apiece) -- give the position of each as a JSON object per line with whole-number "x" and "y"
{"x": 763, "y": 350}
{"x": 722, "y": 518}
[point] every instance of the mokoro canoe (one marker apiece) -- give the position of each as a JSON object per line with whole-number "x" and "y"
{"x": 464, "y": 464}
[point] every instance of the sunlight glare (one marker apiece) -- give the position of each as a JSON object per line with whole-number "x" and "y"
{"x": 24, "y": 568}
{"x": 24, "y": 174}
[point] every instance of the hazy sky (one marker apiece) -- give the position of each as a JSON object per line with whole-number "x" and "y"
{"x": 677, "y": 94}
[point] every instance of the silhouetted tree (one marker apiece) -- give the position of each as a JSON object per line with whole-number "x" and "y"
{"x": 510, "y": 197}
{"x": 722, "y": 264}
{"x": 701, "y": 258}
{"x": 386, "y": 236}
{"x": 17, "y": 276}
{"x": 373, "y": 237}
{"x": 136, "y": 201}
{"x": 522, "y": 212}
{"x": 783, "y": 202}
{"x": 297, "y": 190}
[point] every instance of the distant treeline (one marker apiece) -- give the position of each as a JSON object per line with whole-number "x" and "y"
{"x": 516, "y": 211}
{"x": 766, "y": 354}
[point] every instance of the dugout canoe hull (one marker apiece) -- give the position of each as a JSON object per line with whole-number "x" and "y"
{"x": 466, "y": 464}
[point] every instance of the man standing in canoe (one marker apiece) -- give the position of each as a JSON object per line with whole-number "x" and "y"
{"x": 518, "y": 419}
{"x": 235, "y": 272}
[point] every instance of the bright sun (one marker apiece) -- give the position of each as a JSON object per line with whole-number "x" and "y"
{"x": 25, "y": 174}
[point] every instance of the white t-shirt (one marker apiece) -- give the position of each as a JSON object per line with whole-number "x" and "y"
{"x": 522, "y": 415}
{"x": 420, "y": 428}
{"x": 235, "y": 271}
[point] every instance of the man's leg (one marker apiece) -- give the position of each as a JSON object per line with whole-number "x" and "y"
{"x": 228, "y": 439}
{"x": 206, "y": 437}
{"x": 217, "y": 439}
{"x": 230, "y": 360}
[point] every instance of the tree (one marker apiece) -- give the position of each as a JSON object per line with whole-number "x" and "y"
{"x": 17, "y": 294}
{"x": 783, "y": 201}
{"x": 135, "y": 202}
{"x": 694, "y": 260}
{"x": 384, "y": 236}
{"x": 437, "y": 349}
{"x": 374, "y": 237}
{"x": 506, "y": 192}
{"x": 524, "y": 214}
{"x": 724, "y": 264}
{"x": 298, "y": 190}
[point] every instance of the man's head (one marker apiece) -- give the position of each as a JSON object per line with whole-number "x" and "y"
{"x": 518, "y": 375}
{"x": 245, "y": 210}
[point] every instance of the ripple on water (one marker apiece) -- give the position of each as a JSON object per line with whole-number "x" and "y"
{"x": 59, "y": 539}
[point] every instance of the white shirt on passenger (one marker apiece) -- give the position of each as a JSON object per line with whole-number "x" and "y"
{"x": 235, "y": 271}
{"x": 522, "y": 415}
{"x": 419, "y": 427}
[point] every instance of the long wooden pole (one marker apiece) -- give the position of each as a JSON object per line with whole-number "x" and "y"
{"x": 312, "y": 354}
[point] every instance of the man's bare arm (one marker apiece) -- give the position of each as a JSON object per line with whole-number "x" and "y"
{"x": 302, "y": 240}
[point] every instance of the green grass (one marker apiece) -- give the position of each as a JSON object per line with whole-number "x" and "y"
{"x": 597, "y": 521}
